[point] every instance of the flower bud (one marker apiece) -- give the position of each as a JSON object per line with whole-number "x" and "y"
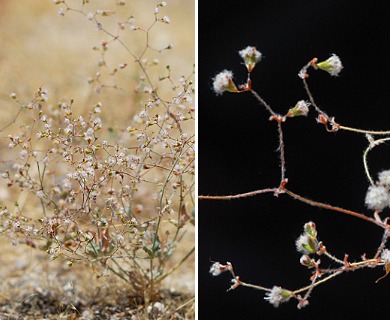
{"x": 300, "y": 109}
{"x": 307, "y": 261}
{"x": 333, "y": 65}
{"x": 223, "y": 81}
{"x": 278, "y": 295}
{"x": 251, "y": 56}
{"x": 310, "y": 229}
{"x": 384, "y": 178}
{"x": 377, "y": 198}
{"x": 306, "y": 244}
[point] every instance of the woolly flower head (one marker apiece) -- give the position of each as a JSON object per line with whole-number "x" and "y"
{"x": 300, "y": 109}
{"x": 377, "y": 197}
{"x": 384, "y": 178}
{"x": 277, "y": 296}
{"x": 217, "y": 268}
{"x": 251, "y": 56}
{"x": 306, "y": 244}
{"x": 333, "y": 65}
{"x": 223, "y": 81}
{"x": 385, "y": 255}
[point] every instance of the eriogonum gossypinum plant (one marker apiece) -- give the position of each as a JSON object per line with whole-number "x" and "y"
{"x": 308, "y": 243}
{"x": 117, "y": 197}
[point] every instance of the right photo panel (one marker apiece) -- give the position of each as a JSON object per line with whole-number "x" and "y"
{"x": 294, "y": 171}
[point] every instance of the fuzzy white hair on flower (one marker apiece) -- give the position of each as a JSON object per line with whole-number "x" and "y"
{"x": 306, "y": 244}
{"x": 385, "y": 255}
{"x": 332, "y": 65}
{"x": 377, "y": 198}
{"x": 251, "y": 56}
{"x": 277, "y": 295}
{"x": 301, "y": 108}
{"x": 223, "y": 81}
{"x": 303, "y": 73}
{"x": 217, "y": 268}
{"x": 384, "y": 178}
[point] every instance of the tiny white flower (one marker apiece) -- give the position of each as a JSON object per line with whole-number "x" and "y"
{"x": 61, "y": 11}
{"x": 40, "y": 194}
{"x": 277, "y": 296}
{"x": 377, "y": 198}
{"x": 302, "y": 73}
{"x": 384, "y": 178}
{"x": 306, "y": 244}
{"x": 156, "y": 309}
{"x": 217, "y": 268}
{"x": 143, "y": 114}
{"x": 23, "y": 154}
{"x": 166, "y": 20}
{"x": 385, "y": 255}
{"x": 333, "y": 65}
{"x": 223, "y": 81}
{"x": 120, "y": 238}
{"x": 300, "y": 109}
{"x": 251, "y": 56}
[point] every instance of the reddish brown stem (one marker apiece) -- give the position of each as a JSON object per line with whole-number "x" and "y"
{"x": 333, "y": 208}
{"x": 241, "y": 195}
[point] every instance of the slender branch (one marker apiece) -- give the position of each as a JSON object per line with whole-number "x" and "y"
{"x": 189, "y": 253}
{"x": 365, "y": 164}
{"x": 364, "y": 131}
{"x": 265, "y": 104}
{"x": 318, "y": 282}
{"x": 313, "y": 103}
{"x": 333, "y": 208}
{"x": 372, "y": 145}
{"x": 382, "y": 245}
{"x": 282, "y": 156}
{"x": 240, "y": 195}
{"x": 254, "y": 286}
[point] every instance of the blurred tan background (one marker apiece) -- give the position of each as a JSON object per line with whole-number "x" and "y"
{"x": 40, "y": 48}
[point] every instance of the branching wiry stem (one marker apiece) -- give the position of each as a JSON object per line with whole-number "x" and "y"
{"x": 307, "y": 243}
{"x": 254, "y": 286}
{"x": 265, "y": 104}
{"x": 313, "y": 103}
{"x": 365, "y": 164}
{"x": 383, "y": 133}
{"x": 333, "y": 208}
{"x": 240, "y": 195}
{"x": 318, "y": 282}
{"x": 372, "y": 145}
{"x": 281, "y": 150}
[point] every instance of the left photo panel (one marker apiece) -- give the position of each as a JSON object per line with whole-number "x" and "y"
{"x": 97, "y": 159}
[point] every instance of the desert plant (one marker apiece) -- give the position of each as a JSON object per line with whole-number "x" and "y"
{"x": 110, "y": 184}
{"x": 308, "y": 243}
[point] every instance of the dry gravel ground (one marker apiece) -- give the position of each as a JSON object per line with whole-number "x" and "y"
{"x": 33, "y": 287}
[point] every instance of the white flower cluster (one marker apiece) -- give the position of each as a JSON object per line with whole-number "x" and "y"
{"x": 300, "y": 109}
{"x": 223, "y": 81}
{"x": 385, "y": 255}
{"x": 307, "y": 242}
{"x": 251, "y": 56}
{"x": 378, "y": 196}
{"x": 277, "y": 296}
{"x": 333, "y": 65}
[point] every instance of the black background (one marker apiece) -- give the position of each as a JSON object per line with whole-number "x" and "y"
{"x": 237, "y": 153}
